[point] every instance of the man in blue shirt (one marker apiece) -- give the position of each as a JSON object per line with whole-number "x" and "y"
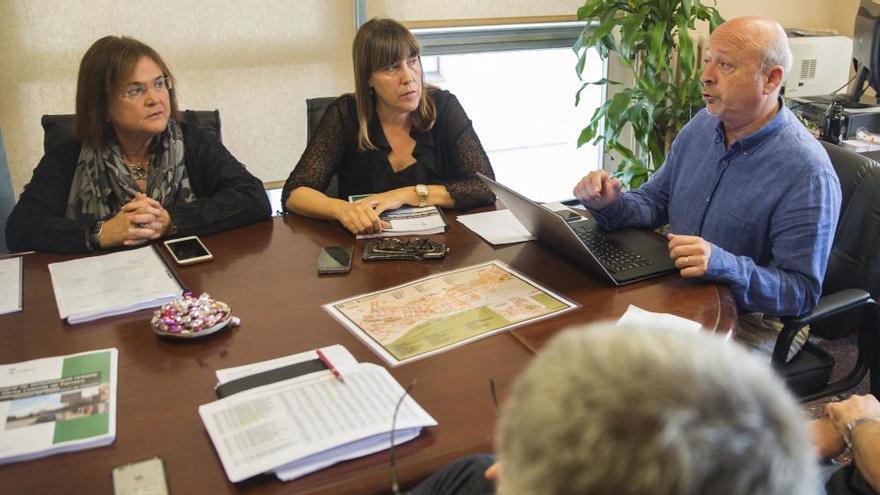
{"x": 750, "y": 196}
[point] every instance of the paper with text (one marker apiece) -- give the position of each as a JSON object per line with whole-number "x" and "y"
{"x": 10, "y": 285}
{"x": 275, "y": 425}
{"x": 117, "y": 283}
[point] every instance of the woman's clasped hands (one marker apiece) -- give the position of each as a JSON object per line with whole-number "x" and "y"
{"x": 140, "y": 220}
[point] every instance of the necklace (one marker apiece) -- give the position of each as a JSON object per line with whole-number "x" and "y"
{"x": 138, "y": 170}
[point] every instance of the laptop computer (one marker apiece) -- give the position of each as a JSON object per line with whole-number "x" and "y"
{"x": 621, "y": 256}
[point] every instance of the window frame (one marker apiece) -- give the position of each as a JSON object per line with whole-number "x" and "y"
{"x": 497, "y": 37}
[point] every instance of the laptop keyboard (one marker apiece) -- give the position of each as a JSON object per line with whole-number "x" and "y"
{"x": 613, "y": 257}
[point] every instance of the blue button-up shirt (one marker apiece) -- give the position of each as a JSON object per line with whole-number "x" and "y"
{"x": 768, "y": 206}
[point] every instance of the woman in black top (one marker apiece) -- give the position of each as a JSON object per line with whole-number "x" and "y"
{"x": 132, "y": 173}
{"x": 402, "y": 141}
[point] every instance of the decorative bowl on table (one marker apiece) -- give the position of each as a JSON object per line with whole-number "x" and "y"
{"x": 191, "y": 317}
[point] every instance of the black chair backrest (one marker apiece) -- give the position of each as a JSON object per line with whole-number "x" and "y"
{"x": 315, "y": 108}
{"x": 58, "y": 127}
{"x": 855, "y": 253}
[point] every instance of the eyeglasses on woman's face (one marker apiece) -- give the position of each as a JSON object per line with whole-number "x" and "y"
{"x": 136, "y": 91}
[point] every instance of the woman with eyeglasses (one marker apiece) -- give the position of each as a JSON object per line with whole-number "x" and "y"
{"x": 398, "y": 139}
{"x": 132, "y": 172}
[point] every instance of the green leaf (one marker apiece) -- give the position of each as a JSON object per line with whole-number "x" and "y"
{"x": 685, "y": 51}
{"x": 582, "y": 61}
{"x": 655, "y": 43}
{"x": 586, "y": 11}
{"x": 586, "y": 135}
{"x": 646, "y": 35}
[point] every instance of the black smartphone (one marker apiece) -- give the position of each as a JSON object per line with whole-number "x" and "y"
{"x": 188, "y": 250}
{"x": 569, "y": 216}
{"x": 335, "y": 259}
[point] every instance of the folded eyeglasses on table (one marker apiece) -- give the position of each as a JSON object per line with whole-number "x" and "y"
{"x": 392, "y": 248}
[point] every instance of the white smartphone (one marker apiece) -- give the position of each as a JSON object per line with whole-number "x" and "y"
{"x": 188, "y": 250}
{"x": 139, "y": 478}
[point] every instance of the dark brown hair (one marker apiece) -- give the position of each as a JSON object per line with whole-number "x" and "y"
{"x": 377, "y": 44}
{"x": 102, "y": 72}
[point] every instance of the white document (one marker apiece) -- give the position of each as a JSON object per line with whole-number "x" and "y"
{"x": 496, "y": 227}
{"x": 57, "y": 404}
{"x": 501, "y": 227}
{"x": 344, "y": 362}
{"x": 112, "y": 284}
{"x": 662, "y": 321}
{"x": 303, "y": 424}
{"x": 10, "y": 285}
{"x": 411, "y": 220}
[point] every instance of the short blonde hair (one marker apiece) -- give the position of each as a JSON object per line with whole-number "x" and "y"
{"x": 627, "y": 410}
{"x": 377, "y": 44}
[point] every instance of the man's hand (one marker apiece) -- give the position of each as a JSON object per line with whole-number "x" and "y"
{"x": 597, "y": 190}
{"x": 690, "y": 253}
{"x": 848, "y": 411}
{"x": 493, "y": 471}
{"x": 828, "y": 441}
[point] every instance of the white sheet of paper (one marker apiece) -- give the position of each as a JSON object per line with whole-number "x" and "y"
{"x": 111, "y": 284}
{"x": 10, "y": 285}
{"x": 663, "y": 321}
{"x": 500, "y": 226}
{"x": 272, "y": 426}
{"x": 496, "y": 227}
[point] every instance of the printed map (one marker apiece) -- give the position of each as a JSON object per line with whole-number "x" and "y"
{"x": 447, "y": 309}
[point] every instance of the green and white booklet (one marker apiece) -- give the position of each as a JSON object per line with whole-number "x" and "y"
{"x": 57, "y": 404}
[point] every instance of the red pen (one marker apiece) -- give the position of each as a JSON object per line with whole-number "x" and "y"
{"x": 329, "y": 365}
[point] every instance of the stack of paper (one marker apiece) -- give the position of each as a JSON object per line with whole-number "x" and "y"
{"x": 300, "y": 425}
{"x": 112, "y": 284}
{"x": 10, "y": 285}
{"x": 57, "y": 404}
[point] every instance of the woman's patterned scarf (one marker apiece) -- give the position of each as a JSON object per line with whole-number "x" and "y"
{"x": 102, "y": 183}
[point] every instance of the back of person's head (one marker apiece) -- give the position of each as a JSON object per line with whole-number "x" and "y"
{"x": 379, "y": 43}
{"x": 624, "y": 410}
{"x": 102, "y": 74}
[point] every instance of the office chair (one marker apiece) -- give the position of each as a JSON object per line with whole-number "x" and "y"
{"x": 315, "y": 108}
{"x": 7, "y": 197}
{"x": 852, "y": 281}
{"x": 57, "y": 127}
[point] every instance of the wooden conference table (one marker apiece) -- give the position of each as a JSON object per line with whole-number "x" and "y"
{"x": 266, "y": 272}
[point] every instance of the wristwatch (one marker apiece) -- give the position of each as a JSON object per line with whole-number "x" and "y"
{"x": 422, "y": 191}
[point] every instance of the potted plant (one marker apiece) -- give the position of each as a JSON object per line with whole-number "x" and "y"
{"x": 652, "y": 40}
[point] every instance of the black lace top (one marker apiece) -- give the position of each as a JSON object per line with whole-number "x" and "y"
{"x": 449, "y": 154}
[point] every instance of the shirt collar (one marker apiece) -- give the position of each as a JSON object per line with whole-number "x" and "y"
{"x": 755, "y": 139}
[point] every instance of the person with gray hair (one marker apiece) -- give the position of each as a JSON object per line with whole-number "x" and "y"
{"x": 626, "y": 410}
{"x": 750, "y": 196}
